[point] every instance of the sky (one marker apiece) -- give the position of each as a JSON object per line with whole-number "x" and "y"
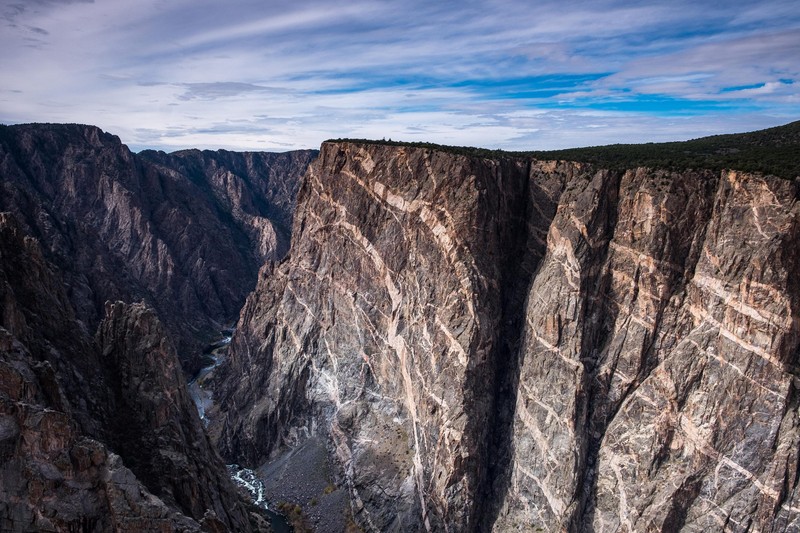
{"x": 275, "y": 76}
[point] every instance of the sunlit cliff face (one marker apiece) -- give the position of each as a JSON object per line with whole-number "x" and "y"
{"x": 491, "y": 344}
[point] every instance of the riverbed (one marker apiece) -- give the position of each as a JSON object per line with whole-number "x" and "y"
{"x": 203, "y": 399}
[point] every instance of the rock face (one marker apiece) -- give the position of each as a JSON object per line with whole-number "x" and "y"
{"x": 658, "y": 386}
{"x": 258, "y": 189}
{"x": 509, "y": 344}
{"x": 187, "y": 240}
{"x": 66, "y": 463}
{"x": 157, "y": 429}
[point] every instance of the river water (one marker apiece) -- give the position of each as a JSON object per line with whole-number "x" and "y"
{"x": 202, "y": 397}
{"x": 243, "y": 477}
{"x": 246, "y": 478}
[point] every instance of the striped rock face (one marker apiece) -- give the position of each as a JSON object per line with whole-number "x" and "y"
{"x": 509, "y": 344}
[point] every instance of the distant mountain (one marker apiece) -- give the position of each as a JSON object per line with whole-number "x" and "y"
{"x": 185, "y": 232}
{"x": 255, "y": 189}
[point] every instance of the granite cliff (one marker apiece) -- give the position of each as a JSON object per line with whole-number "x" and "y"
{"x": 185, "y": 232}
{"x": 506, "y": 343}
{"x": 96, "y": 434}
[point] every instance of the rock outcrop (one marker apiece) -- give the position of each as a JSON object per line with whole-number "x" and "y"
{"x": 119, "y": 226}
{"x": 156, "y": 428}
{"x": 511, "y": 344}
{"x": 96, "y": 437}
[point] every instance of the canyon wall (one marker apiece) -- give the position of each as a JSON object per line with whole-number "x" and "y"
{"x": 184, "y": 232}
{"x": 255, "y": 190}
{"x": 97, "y": 429}
{"x": 511, "y": 344}
{"x": 96, "y": 434}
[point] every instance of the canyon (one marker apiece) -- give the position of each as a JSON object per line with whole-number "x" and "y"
{"x": 98, "y": 429}
{"x": 453, "y": 341}
{"x": 184, "y": 232}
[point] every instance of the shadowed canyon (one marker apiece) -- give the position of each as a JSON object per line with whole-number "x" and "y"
{"x": 424, "y": 338}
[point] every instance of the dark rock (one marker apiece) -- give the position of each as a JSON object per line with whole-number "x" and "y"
{"x": 122, "y": 227}
{"x": 64, "y": 464}
{"x": 158, "y": 430}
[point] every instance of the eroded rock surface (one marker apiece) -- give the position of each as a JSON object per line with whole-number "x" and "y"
{"x": 157, "y": 429}
{"x": 509, "y": 344}
{"x": 258, "y": 189}
{"x": 187, "y": 239}
{"x": 96, "y": 436}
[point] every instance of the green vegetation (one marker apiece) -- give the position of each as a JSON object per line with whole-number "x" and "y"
{"x": 294, "y": 514}
{"x": 771, "y": 151}
{"x": 460, "y": 150}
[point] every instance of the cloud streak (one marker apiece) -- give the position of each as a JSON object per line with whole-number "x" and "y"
{"x": 260, "y": 75}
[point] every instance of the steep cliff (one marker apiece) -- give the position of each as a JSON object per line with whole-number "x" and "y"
{"x": 156, "y": 427}
{"x": 658, "y": 378}
{"x": 257, "y": 189}
{"x": 96, "y": 437}
{"x": 126, "y": 227}
{"x": 510, "y": 344}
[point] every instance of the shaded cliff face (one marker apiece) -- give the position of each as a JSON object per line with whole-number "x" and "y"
{"x": 511, "y": 344}
{"x": 60, "y": 479}
{"x": 156, "y": 427}
{"x": 121, "y": 227}
{"x": 66, "y": 463}
{"x": 257, "y": 190}
{"x": 657, "y": 384}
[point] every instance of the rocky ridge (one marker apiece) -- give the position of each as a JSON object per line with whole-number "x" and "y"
{"x": 185, "y": 232}
{"x": 510, "y": 344}
{"x": 76, "y": 416}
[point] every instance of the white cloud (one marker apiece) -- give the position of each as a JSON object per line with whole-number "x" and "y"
{"x": 255, "y": 74}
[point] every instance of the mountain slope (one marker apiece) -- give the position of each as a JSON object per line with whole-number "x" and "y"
{"x": 66, "y": 462}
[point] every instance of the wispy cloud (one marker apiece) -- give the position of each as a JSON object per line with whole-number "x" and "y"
{"x": 223, "y": 89}
{"x": 266, "y": 75}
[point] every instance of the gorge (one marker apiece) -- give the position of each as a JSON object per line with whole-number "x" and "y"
{"x": 461, "y": 340}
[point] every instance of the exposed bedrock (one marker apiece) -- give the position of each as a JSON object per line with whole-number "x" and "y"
{"x": 509, "y": 344}
{"x": 96, "y": 435}
{"x": 185, "y": 232}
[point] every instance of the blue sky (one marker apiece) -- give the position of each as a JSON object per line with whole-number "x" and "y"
{"x": 266, "y": 75}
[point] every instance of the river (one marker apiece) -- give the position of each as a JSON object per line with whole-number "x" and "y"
{"x": 203, "y": 400}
